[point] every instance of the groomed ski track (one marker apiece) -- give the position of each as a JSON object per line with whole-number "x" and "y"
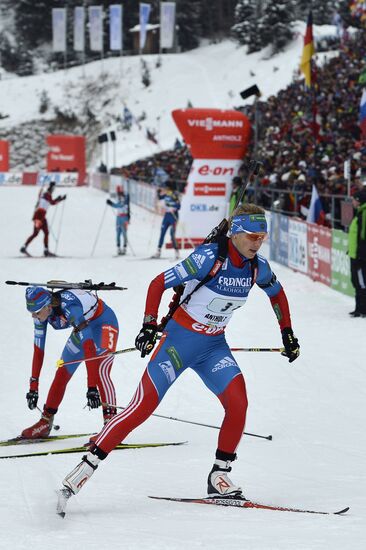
{"x": 315, "y": 409}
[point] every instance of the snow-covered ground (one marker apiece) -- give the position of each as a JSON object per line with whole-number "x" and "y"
{"x": 314, "y": 408}
{"x": 210, "y": 76}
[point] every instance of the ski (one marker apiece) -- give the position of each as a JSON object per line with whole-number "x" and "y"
{"x": 25, "y": 441}
{"x": 71, "y": 450}
{"x": 243, "y": 503}
{"x": 86, "y": 285}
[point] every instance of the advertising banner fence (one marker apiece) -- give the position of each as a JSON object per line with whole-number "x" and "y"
{"x": 319, "y": 253}
{"x": 341, "y": 275}
{"x": 297, "y": 246}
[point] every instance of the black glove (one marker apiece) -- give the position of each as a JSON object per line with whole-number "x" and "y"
{"x": 109, "y": 202}
{"x": 61, "y": 198}
{"x": 93, "y": 398}
{"x": 291, "y": 344}
{"x": 146, "y": 338}
{"x": 32, "y": 399}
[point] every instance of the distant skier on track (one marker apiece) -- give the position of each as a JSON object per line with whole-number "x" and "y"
{"x": 122, "y": 206}
{"x": 171, "y": 206}
{"x": 39, "y": 218}
{"x": 95, "y": 332}
{"x": 195, "y": 338}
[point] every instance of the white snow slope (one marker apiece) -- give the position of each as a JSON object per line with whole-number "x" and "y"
{"x": 211, "y": 76}
{"x": 314, "y": 408}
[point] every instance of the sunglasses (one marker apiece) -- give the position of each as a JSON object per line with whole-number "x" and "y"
{"x": 258, "y": 236}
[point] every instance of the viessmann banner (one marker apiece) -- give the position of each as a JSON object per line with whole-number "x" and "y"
{"x": 218, "y": 141}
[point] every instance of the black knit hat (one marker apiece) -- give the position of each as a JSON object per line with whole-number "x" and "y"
{"x": 360, "y": 196}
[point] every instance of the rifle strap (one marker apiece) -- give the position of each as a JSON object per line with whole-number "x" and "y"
{"x": 223, "y": 249}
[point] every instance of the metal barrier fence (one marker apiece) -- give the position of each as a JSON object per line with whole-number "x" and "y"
{"x": 338, "y": 208}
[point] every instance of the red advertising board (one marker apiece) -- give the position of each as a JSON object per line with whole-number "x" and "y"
{"x": 319, "y": 253}
{"x": 214, "y": 133}
{"x": 66, "y": 154}
{"x": 4, "y": 156}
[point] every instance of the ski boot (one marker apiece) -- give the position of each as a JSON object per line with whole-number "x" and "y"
{"x": 23, "y": 250}
{"x": 40, "y": 429}
{"x": 48, "y": 254}
{"x": 157, "y": 254}
{"x": 74, "y": 481}
{"x": 218, "y": 482}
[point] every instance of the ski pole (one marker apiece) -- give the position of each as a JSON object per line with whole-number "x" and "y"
{"x": 130, "y": 247}
{"x": 62, "y": 363}
{"x": 258, "y": 349}
{"x": 99, "y": 229}
{"x": 60, "y": 225}
{"x": 269, "y": 437}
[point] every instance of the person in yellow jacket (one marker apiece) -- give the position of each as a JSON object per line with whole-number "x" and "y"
{"x": 357, "y": 252}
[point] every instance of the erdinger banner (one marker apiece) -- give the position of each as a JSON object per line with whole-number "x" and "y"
{"x": 218, "y": 141}
{"x": 66, "y": 154}
{"x": 4, "y": 155}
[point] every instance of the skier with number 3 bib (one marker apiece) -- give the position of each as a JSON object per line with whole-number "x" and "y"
{"x": 218, "y": 278}
{"x": 95, "y": 333}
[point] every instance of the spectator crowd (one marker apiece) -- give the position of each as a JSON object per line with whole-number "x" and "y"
{"x": 304, "y": 135}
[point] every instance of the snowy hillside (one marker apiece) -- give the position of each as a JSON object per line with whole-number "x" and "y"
{"x": 210, "y": 76}
{"x": 314, "y": 408}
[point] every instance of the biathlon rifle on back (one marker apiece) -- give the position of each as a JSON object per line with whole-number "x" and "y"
{"x": 218, "y": 232}
{"x": 63, "y": 285}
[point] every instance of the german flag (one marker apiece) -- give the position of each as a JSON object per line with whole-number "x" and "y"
{"x": 308, "y": 51}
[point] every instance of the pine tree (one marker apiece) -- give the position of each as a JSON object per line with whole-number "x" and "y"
{"x": 276, "y": 24}
{"x": 188, "y": 19}
{"x": 33, "y": 22}
{"x": 245, "y": 29}
{"x": 323, "y": 11}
